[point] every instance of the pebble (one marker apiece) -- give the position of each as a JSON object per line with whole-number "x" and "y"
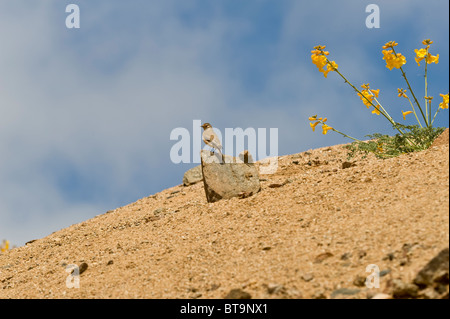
{"x": 307, "y": 277}
{"x": 322, "y": 257}
{"x": 347, "y": 165}
{"x": 274, "y": 288}
{"x": 238, "y": 294}
{"x": 359, "y": 281}
{"x": 344, "y": 291}
{"x": 384, "y": 272}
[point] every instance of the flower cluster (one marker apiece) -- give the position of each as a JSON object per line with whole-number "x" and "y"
{"x": 424, "y": 54}
{"x": 393, "y": 59}
{"x": 319, "y": 58}
{"x": 444, "y": 104}
{"x": 367, "y": 96}
{"x": 315, "y": 121}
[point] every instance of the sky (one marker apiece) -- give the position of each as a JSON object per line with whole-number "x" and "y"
{"x": 86, "y": 113}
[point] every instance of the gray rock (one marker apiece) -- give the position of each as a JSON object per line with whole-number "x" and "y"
{"x": 435, "y": 271}
{"x": 192, "y": 176}
{"x": 230, "y": 179}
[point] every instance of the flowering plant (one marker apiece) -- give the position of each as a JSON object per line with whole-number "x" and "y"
{"x": 409, "y": 138}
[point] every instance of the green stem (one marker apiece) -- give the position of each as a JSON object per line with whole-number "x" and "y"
{"x": 345, "y": 135}
{"x": 437, "y": 111}
{"x": 412, "y": 106}
{"x": 410, "y": 90}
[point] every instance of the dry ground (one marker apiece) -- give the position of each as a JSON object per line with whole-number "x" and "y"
{"x": 313, "y": 235}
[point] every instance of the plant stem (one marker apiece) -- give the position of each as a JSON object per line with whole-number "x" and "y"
{"x": 345, "y": 135}
{"x": 412, "y": 106}
{"x": 410, "y": 90}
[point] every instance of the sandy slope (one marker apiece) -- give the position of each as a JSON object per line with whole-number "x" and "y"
{"x": 315, "y": 234}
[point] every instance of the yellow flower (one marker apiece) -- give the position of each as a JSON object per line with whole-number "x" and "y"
{"x": 432, "y": 59}
{"x": 376, "y": 110}
{"x": 390, "y": 44}
{"x": 5, "y": 246}
{"x": 393, "y": 60}
{"x": 424, "y": 54}
{"x": 331, "y": 67}
{"x": 427, "y": 42}
{"x": 313, "y": 118}
{"x": 313, "y": 125}
{"x": 325, "y": 129}
{"x": 406, "y": 113}
{"x": 319, "y": 60}
{"x": 401, "y": 93}
{"x": 375, "y": 92}
{"x": 444, "y": 104}
{"x": 365, "y": 96}
{"x": 420, "y": 55}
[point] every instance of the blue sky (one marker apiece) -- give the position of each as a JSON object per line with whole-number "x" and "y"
{"x": 86, "y": 114}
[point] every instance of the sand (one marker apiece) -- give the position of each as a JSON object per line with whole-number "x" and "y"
{"x": 308, "y": 238}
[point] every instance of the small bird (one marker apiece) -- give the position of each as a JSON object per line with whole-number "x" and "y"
{"x": 210, "y": 138}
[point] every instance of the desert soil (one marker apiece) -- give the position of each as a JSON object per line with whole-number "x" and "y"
{"x": 312, "y": 229}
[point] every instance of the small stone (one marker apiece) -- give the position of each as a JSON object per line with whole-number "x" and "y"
{"x": 214, "y": 287}
{"x": 307, "y": 277}
{"x": 192, "y": 176}
{"x": 110, "y": 262}
{"x": 238, "y": 294}
{"x": 322, "y": 257}
{"x": 384, "y": 272}
{"x": 344, "y": 291}
{"x": 362, "y": 253}
{"x": 275, "y": 185}
{"x": 347, "y": 165}
{"x": 346, "y": 256}
{"x": 274, "y": 288}
{"x": 404, "y": 290}
{"x": 82, "y": 268}
{"x": 389, "y": 257}
{"x": 159, "y": 211}
{"x": 359, "y": 281}
{"x": 267, "y": 248}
